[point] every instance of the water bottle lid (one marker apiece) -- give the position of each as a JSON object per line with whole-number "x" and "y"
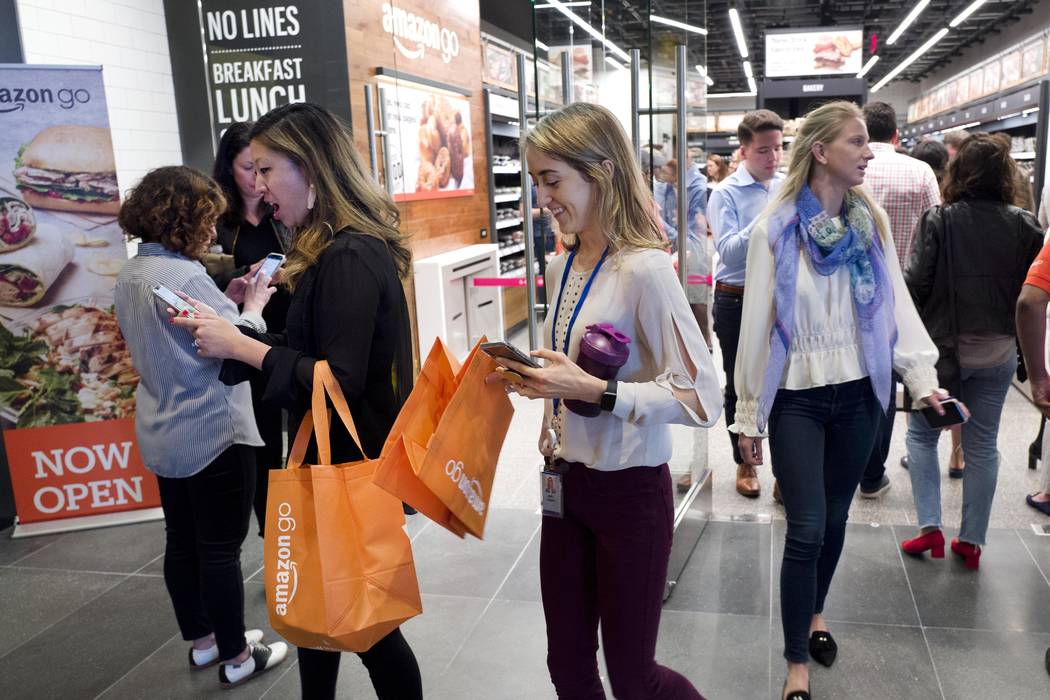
{"x": 605, "y": 345}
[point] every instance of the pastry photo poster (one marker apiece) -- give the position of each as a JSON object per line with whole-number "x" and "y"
{"x": 429, "y": 142}
{"x": 67, "y": 384}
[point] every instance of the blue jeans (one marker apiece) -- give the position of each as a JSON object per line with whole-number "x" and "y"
{"x": 983, "y": 392}
{"x": 819, "y": 440}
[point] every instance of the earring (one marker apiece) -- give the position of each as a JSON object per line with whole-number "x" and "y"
{"x": 311, "y": 197}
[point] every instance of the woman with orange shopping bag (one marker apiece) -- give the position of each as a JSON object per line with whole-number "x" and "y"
{"x": 348, "y": 307}
{"x": 606, "y": 534}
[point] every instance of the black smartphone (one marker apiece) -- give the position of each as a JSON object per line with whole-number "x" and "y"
{"x": 953, "y": 414}
{"x": 506, "y": 351}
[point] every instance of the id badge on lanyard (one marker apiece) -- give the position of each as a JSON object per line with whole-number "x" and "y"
{"x": 552, "y": 495}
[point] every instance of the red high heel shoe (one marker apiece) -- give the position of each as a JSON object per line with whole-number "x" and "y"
{"x": 970, "y": 553}
{"x": 932, "y": 541}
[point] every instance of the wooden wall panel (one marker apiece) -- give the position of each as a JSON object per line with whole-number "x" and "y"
{"x": 438, "y": 225}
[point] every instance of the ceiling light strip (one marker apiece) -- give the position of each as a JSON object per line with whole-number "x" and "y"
{"x": 680, "y": 25}
{"x": 546, "y": 6}
{"x": 906, "y": 22}
{"x": 715, "y": 96}
{"x": 560, "y": 7}
{"x": 747, "y": 69}
{"x": 964, "y": 15}
{"x": 738, "y": 31}
{"x": 910, "y": 59}
{"x": 867, "y": 66}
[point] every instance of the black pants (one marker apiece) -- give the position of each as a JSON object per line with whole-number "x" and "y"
{"x": 727, "y": 311}
{"x": 876, "y": 467}
{"x": 391, "y": 666}
{"x": 270, "y": 421}
{"x": 206, "y": 518}
{"x": 819, "y": 440}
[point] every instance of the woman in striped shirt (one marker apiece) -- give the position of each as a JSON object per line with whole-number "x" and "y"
{"x": 195, "y": 433}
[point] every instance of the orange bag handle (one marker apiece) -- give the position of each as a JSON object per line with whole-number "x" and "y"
{"x": 317, "y": 420}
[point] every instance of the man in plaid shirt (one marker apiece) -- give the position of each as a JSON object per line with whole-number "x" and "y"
{"x": 905, "y": 188}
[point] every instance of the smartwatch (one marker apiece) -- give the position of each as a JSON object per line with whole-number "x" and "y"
{"x": 608, "y": 401}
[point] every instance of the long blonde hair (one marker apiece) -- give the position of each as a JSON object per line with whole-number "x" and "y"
{"x": 823, "y": 125}
{"x": 583, "y": 136}
{"x": 322, "y": 146}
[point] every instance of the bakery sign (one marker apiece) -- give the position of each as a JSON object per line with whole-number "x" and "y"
{"x": 67, "y": 384}
{"x": 817, "y": 51}
{"x": 413, "y": 34}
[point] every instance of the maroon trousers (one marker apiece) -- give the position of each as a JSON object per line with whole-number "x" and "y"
{"x": 606, "y": 561}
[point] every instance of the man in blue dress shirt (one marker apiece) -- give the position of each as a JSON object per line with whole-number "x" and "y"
{"x": 696, "y": 241}
{"x": 735, "y": 205}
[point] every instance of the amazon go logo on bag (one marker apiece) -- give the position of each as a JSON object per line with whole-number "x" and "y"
{"x": 286, "y": 581}
{"x": 471, "y": 488}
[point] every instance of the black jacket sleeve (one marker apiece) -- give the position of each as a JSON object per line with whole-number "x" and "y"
{"x": 345, "y": 306}
{"x": 925, "y": 250}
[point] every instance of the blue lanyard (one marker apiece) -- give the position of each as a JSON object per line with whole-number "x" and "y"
{"x": 576, "y": 311}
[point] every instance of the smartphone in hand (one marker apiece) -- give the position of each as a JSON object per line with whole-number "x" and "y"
{"x": 953, "y": 414}
{"x": 269, "y": 265}
{"x": 504, "y": 350}
{"x": 181, "y": 306}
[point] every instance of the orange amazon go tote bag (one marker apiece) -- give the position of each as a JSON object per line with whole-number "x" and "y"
{"x": 440, "y": 457}
{"x": 339, "y": 569}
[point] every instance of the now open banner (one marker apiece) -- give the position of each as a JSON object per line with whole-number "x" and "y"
{"x": 67, "y": 384}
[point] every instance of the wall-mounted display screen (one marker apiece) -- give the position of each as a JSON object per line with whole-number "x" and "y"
{"x": 816, "y": 51}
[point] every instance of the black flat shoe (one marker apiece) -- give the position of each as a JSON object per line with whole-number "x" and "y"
{"x": 794, "y": 694}
{"x": 822, "y": 648}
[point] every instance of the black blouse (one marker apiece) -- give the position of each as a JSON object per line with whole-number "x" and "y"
{"x": 349, "y": 309}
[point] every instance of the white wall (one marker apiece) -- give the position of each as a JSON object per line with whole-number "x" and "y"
{"x": 129, "y": 39}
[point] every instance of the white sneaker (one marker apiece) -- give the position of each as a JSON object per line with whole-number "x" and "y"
{"x": 206, "y": 658}
{"x": 262, "y": 659}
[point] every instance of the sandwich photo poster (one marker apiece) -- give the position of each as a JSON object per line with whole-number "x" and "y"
{"x": 429, "y": 146}
{"x": 67, "y": 383}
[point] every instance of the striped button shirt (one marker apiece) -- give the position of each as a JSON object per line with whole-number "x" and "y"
{"x": 905, "y": 187}
{"x": 185, "y": 417}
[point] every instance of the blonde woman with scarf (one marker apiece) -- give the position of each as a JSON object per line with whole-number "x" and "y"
{"x": 826, "y": 320}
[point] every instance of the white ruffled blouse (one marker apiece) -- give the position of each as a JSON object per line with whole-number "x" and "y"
{"x": 824, "y": 345}
{"x": 636, "y": 291}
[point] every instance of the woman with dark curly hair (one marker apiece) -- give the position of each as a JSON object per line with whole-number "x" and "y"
{"x": 968, "y": 263}
{"x": 194, "y": 432}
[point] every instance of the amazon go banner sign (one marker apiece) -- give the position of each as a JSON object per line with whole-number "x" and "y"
{"x": 67, "y": 383}
{"x": 260, "y": 55}
{"x": 78, "y": 469}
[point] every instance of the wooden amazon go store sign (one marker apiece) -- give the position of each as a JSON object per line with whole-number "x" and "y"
{"x": 426, "y": 57}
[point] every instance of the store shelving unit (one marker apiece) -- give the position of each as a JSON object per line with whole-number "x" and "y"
{"x": 1020, "y": 112}
{"x": 505, "y": 214}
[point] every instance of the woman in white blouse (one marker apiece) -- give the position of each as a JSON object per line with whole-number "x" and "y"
{"x": 826, "y": 319}
{"x": 606, "y": 534}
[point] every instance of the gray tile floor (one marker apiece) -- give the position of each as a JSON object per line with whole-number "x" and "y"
{"x": 86, "y": 614}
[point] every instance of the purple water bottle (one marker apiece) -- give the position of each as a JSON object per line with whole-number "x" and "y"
{"x": 603, "y": 351}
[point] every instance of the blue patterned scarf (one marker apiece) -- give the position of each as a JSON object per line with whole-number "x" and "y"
{"x": 830, "y": 243}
